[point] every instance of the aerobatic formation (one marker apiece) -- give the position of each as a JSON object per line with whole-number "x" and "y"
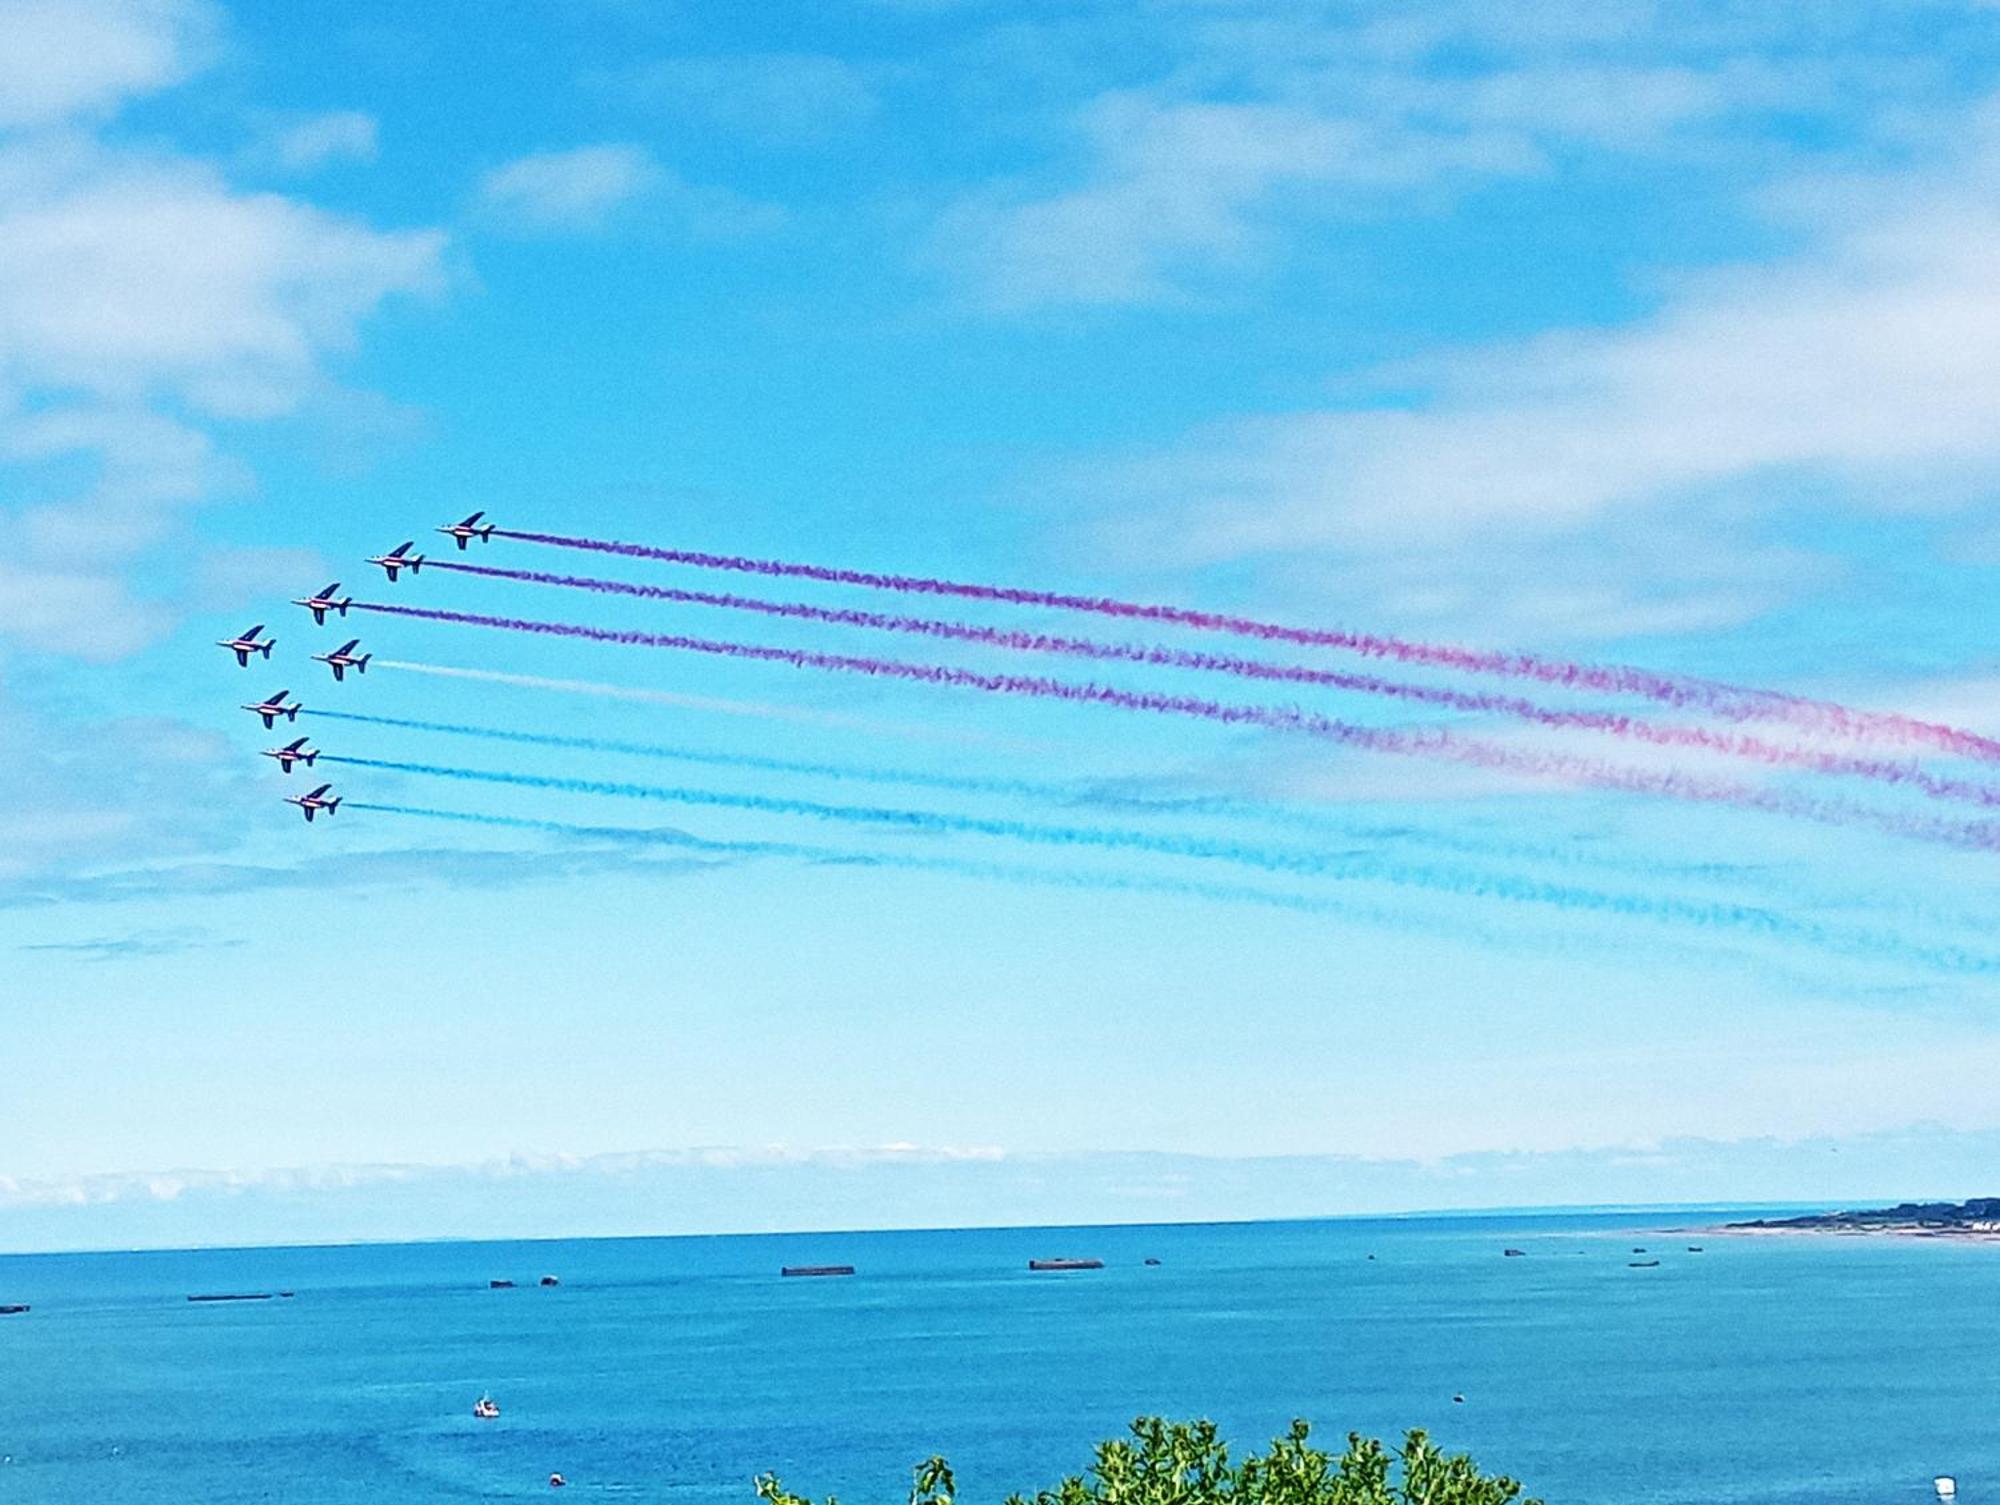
{"x": 1622, "y": 730}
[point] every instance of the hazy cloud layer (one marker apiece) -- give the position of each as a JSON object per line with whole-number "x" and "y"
{"x": 773, "y": 1188}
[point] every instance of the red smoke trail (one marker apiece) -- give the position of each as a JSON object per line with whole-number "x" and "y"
{"x": 1980, "y": 836}
{"x": 1733, "y": 702}
{"x": 1607, "y": 723}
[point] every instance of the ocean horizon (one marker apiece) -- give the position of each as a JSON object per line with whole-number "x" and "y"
{"x": 680, "y": 1367}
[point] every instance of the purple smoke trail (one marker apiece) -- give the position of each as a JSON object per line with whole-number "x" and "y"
{"x": 1607, "y": 723}
{"x": 1441, "y": 745}
{"x": 1733, "y": 702}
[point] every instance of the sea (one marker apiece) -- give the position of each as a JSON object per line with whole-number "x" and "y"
{"x": 1768, "y": 1369}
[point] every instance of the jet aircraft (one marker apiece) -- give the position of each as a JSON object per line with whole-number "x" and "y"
{"x": 324, "y": 601}
{"x": 314, "y": 802}
{"x": 248, "y": 644}
{"x": 293, "y": 752}
{"x": 344, "y": 658}
{"x": 463, "y": 533}
{"x": 400, "y": 558}
{"x": 275, "y": 707}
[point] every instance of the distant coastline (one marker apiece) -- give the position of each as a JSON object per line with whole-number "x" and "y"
{"x": 1974, "y": 1221}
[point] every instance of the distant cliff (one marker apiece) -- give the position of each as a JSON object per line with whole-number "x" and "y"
{"x": 1978, "y": 1217}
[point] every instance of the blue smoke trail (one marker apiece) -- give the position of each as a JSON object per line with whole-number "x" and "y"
{"x": 1340, "y": 867}
{"x": 1455, "y": 927}
{"x": 837, "y": 856}
{"x": 1290, "y": 819}
{"x": 953, "y": 783}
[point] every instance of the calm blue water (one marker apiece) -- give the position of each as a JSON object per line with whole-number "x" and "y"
{"x": 1770, "y": 1370}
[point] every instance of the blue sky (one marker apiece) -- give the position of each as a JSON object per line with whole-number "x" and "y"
{"x": 1619, "y": 332}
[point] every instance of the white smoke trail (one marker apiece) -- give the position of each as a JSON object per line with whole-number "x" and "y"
{"x": 755, "y": 709}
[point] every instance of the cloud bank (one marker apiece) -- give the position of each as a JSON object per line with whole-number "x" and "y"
{"x": 778, "y": 1188}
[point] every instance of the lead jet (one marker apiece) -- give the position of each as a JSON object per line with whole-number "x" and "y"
{"x": 315, "y": 802}
{"x": 291, "y": 753}
{"x": 324, "y": 601}
{"x": 248, "y": 644}
{"x": 344, "y": 658}
{"x": 275, "y": 707}
{"x": 463, "y": 533}
{"x": 400, "y": 558}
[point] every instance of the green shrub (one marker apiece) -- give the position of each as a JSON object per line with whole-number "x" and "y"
{"x": 1185, "y": 1463}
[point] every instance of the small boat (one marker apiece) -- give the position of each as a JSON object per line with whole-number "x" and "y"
{"x": 1694, "y": 1248}
{"x": 1946, "y": 1487}
{"x": 486, "y": 1408}
{"x": 1458, "y": 1400}
{"x": 816, "y": 1270}
{"x": 1065, "y": 1264}
{"x": 12, "y": 1311}
{"x": 499, "y": 1285}
{"x": 1515, "y": 1253}
{"x": 549, "y": 1280}
{"x": 557, "y": 1481}
{"x": 1638, "y": 1251}
{"x": 1151, "y": 1261}
{"x": 235, "y": 1296}
{"x": 1642, "y": 1264}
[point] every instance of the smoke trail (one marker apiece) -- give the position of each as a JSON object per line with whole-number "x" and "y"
{"x": 1292, "y": 819}
{"x": 1607, "y": 723}
{"x": 755, "y": 710}
{"x": 952, "y": 783}
{"x": 1428, "y": 925}
{"x": 1345, "y": 867}
{"x": 1977, "y": 836}
{"x": 1189, "y": 888}
{"x": 1733, "y": 702}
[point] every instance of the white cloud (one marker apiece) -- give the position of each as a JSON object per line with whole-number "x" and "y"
{"x": 136, "y": 277}
{"x": 65, "y": 808}
{"x": 581, "y": 190}
{"x": 86, "y": 614}
{"x": 1634, "y": 465}
{"x": 776, "y": 97}
{"x": 1179, "y": 189}
{"x": 64, "y": 58}
{"x": 1259, "y": 120}
{"x": 567, "y": 190}
{"x": 301, "y": 145}
{"x": 143, "y": 296}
